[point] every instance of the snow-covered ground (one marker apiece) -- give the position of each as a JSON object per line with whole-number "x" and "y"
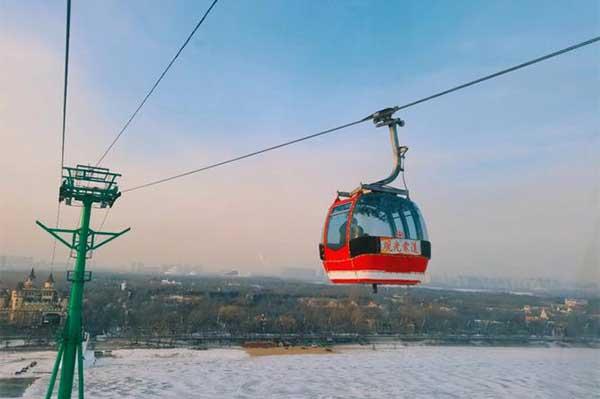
{"x": 412, "y": 372}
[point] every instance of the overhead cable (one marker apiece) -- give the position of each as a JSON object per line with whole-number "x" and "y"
{"x": 162, "y": 75}
{"x": 504, "y": 71}
{"x": 252, "y": 154}
{"x": 396, "y": 108}
{"x": 64, "y": 118}
{"x": 66, "y": 84}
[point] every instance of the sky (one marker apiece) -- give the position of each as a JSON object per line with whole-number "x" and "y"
{"x": 507, "y": 173}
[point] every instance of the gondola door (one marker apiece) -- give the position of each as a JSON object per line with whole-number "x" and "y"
{"x": 334, "y": 251}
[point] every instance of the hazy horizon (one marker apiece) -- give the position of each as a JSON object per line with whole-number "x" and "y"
{"x": 507, "y": 173}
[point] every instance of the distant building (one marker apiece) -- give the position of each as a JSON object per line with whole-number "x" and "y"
{"x": 543, "y": 316}
{"x": 180, "y": 269}
{"x": 573, "y": 304}
{"x": 29, "y": 305}
{"x": 137, "y": 267}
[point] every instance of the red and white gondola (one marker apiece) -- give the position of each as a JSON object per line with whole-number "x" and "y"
{"x": 376, "y": 234}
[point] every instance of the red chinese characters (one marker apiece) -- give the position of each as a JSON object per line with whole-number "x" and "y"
{"x": 400, "y": 246}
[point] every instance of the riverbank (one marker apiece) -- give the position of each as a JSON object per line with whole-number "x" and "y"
{"x": 205, "y": 342}
{"x": 199, "y": 342}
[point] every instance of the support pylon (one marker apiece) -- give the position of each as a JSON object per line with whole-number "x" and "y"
{"x": 86, "y": 186}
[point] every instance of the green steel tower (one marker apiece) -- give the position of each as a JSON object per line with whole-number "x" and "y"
{"x": 87, "y": 187}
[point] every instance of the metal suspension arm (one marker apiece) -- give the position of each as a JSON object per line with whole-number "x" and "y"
{"x": 384, "y": 118}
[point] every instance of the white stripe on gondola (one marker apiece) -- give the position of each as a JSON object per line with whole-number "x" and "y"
{"x": 374, "y": 275}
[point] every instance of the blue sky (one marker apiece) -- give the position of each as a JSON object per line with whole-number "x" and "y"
{"x": 258, "y": 73}
{"x": 268, "y": 64}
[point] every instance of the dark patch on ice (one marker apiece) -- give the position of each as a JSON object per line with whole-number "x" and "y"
{"x": 15, "y": 387}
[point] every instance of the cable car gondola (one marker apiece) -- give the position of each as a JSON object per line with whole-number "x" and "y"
{"x": 376, "y": 234}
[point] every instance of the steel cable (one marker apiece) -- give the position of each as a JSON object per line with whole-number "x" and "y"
{"x": 396, "y": 108}
{"x": 64, "y": 121}
{"x": 160, "y": 78}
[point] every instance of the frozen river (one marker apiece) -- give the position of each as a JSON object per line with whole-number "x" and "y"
{"x": 410, "y": 372}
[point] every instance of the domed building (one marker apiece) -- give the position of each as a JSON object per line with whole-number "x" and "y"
{"x": 31, "y": 305}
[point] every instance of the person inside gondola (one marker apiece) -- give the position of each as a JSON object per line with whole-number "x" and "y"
{"x": 355, "y": 229}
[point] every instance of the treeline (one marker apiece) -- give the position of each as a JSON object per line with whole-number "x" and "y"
{"x": 243, "y": 306}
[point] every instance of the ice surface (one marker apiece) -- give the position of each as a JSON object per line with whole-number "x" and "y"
{"x": 411, "y": 372}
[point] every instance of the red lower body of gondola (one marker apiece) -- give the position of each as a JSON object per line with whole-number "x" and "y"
{"x": 378, "y": 269}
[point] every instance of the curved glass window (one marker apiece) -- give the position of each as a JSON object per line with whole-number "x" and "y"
{"x": 424, "y": 232}
{"x": 336, "y": 227}
{"x": 387, "y": 215}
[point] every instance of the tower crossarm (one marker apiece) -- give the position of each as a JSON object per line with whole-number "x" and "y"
{"x": 91, "y": 243}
